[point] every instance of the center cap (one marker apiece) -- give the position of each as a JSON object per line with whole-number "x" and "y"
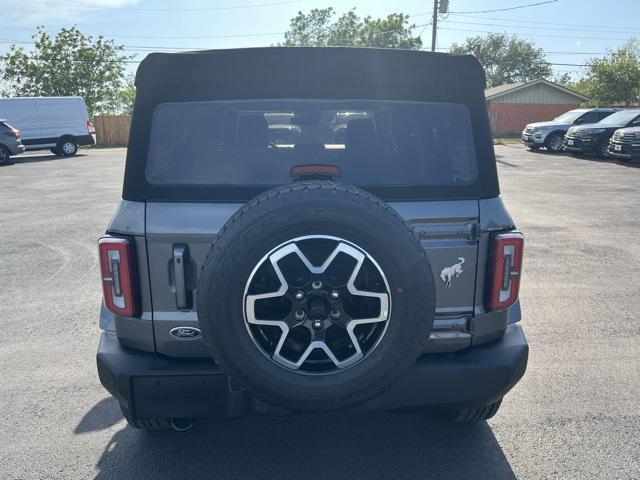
{"x": 317, "y": 309}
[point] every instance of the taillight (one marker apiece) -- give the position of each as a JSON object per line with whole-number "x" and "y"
{"x": 118, "y": 276}
{"x": 90, "y": 128}
{"x": 506, "y": 269}
{"x": 322, "y": 170}
{"x": 14, "y": 133}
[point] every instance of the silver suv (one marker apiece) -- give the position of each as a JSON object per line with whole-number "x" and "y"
{"x": 378, "y": 270}
{"x": 10, "y": 142}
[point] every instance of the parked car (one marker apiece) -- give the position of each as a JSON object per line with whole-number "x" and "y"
{"x": 246, "y": 277}
{"x": 59, "y": 124}
{"x": 10, "y": 142}
{"x": 625, "y": 144}
{"x": 594, "y": 138}
{"x": 551, "y": 134}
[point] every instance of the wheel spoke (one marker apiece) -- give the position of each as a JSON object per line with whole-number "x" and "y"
{"x": 250, "y": 310}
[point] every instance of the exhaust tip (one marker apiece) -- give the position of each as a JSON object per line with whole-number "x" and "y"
{"x": 181, "y": 424}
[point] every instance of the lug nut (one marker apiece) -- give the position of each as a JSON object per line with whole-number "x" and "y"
{"x": 335, "y": 294}
{"x": 317, "y": 324}
{"x": 299, "y": 314}
{"x": 317, "y": 285}
{"x": 299, "y": 295}
{"x": 335, "y": 314}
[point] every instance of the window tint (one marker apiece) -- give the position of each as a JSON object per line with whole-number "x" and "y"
{"x": 256, "y": 143}
{"x": 602, "y": 115}
{"x": 589, "y": 117}
{"x": 569, "y": 117}
{"x": 621, "y": 118}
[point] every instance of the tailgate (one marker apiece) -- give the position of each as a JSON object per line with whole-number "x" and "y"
{"x": 181, "y": 234}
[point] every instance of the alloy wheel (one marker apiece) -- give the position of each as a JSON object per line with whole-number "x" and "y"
{"x": 604, "y": 149}
{"x": 317, "y": 304}
{"x": 556, "y": 142}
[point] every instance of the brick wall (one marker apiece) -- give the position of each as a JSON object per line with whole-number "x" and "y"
{"x": 511, "y": 118}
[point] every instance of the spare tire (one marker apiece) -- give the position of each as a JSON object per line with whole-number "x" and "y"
{"x": 316, "y": 296}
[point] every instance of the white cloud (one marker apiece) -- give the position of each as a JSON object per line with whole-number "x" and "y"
{"x": 30, "y": 13}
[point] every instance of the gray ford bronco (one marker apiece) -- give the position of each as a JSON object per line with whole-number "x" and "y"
{"x": 371, "y": 267}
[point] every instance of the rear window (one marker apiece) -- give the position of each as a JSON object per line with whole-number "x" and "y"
{"x": 257, "y": 143}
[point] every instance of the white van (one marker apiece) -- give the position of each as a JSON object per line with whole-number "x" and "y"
{"x": 59, "y": 124}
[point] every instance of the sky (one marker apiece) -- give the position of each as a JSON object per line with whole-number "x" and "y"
{"x": 569, "y": 31}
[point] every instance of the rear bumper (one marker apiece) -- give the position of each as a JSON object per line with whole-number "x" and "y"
{"x": 153, "y": 386}
{"x": 17, "y": 149}
{"x": 85, "y": 140}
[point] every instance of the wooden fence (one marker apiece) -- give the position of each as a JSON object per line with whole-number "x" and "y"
{"x": 112, "y": 130}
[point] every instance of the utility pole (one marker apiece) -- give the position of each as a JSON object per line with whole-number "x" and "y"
{"x": 434, "y": 25}
{"x": 441, "y": 6}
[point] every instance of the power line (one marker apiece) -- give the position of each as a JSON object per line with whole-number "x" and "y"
{"x": 97, "y": 60}
{"x": 168, "y": 37}
{"x": 552, "y": 52}
{"x": 530, "y": 26}
{"x": 133, "y": 9}
{"x": 509, "y": 8}
{"x": 544, "y": 22}
{"x": 527, "y": 34}
{"x": 152, "y": 48}
{"x": 85, "y": 60}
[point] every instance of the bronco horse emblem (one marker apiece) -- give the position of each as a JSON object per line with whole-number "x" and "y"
{"x": 448, "y": 273}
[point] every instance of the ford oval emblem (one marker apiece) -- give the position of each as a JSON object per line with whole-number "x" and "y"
{"x": 185, "y": 332}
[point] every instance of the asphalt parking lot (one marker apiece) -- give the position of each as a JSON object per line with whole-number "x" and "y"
{"x": 576, "y": 413}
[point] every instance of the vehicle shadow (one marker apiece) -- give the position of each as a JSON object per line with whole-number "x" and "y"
{"x": 102, "y": 415}
{"x": 623, "y": 163}
{"x": 323, "y": 446}
{"x": 588, "y": 157}
{"x": 508, "y": 164}
{"x": 34, "y": 158}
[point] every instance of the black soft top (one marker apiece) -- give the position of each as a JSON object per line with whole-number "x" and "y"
{"x": 306, "y": 73}
{"x": 319, "y": 66}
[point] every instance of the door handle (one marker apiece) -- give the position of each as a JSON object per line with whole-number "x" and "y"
{"x": 180, "y": 255}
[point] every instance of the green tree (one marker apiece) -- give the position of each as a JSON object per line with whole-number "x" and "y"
{"x": 614, "y": 79}
{"x": 505, "y": 58}
{"x": 563, "y": 79}
{"x": 581, "y": 85}
{"x": 127, "y": 96}
{"x": 70, "y": 63}
{"x": 319, "y": 28}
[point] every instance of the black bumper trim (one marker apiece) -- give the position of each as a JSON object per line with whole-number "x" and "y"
{"x": 153, "y": 386}
{"x": 579, "y": 148}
